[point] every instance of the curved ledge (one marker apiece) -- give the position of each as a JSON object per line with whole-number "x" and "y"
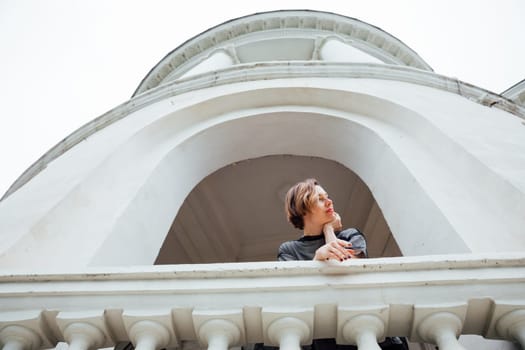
{"x": 311, "y": 24}
{"x": 437, "y": 263}
{"x": 269, "y": 71}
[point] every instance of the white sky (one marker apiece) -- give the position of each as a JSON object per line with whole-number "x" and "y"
{"x": 66, "y": 62}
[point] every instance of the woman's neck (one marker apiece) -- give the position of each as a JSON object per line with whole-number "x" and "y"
{"x": 312, "y": 230}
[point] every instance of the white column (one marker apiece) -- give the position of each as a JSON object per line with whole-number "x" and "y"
{"x": 84, "y": 330}
{"x": 511, "y": 326}
{"x": 364, "y": 330}
{"x": 219, "y": 334}
{"x": 289, "y": 333}
{"x": 19, "y": 338}
{"x": 442, "y": 329}
{"x": 83, "y": 336}
{"x": 149, "y": 335}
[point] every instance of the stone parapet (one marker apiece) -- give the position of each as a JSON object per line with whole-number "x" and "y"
{"x": 431, "y": 299}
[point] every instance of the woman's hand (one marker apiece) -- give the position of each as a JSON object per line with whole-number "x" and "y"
{"x": 334, "y": 248}
{"x": 337, "y": 249}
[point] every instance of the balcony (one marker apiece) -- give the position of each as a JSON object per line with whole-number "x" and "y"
{"x": 429, "y": 299}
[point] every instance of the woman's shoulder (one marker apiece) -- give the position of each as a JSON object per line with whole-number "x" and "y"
{"x": 287, "y": 244}
{"x": 287, "y": 251}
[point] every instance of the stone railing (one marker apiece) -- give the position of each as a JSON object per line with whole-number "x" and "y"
{"x": 431, "y": 299}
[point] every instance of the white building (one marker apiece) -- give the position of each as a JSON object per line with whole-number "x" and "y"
{"x": 101, "y": 237}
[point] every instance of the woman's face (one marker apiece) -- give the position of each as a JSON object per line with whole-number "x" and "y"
{"x": 322, "y": 210}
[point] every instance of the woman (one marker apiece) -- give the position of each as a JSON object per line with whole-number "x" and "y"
{"x": 309, "y": 208}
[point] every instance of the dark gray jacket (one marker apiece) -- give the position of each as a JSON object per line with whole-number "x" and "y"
{"x": 304, "y": 248}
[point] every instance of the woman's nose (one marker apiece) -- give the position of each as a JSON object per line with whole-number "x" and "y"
{"x": 329, "y": 202}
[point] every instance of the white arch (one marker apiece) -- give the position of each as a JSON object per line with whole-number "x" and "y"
{"x": 129, "y": 198}
{"x": 209, "y": 152}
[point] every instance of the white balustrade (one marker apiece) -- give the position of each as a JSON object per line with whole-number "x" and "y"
{"x": 279, "y": 304}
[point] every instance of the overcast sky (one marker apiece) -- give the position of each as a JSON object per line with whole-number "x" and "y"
{"x": 66, "y": 62}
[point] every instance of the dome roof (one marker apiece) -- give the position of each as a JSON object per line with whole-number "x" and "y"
{"x": 292, "y": 35}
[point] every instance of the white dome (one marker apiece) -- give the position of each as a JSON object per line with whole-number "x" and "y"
{"x": 282, "y": 36}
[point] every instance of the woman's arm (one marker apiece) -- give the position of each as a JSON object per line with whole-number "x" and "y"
{"x": 334, "y": 248}
{"x": 330, "y": 228}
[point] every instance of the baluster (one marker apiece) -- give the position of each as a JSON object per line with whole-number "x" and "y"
{"x": 442, "y": 329}
{"x": 289, "y": 333}
{"x": 511, "y": 326}
{"x": 364, "y": 330}
{"x": 19, "y": 338}
{"x": 219, "y": 334}
{"x": 83, "y": 336}
{"x": 149, "y": 335}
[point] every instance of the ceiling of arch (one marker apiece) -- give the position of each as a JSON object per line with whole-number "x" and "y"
{"x": 236, "y": 214}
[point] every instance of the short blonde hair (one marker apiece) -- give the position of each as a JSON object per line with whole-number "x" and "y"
{"x": 299, "y": 200}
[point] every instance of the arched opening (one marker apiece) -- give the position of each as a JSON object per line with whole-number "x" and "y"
{"x": 376, "y": 145}
{"x": 236, "y": 213}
